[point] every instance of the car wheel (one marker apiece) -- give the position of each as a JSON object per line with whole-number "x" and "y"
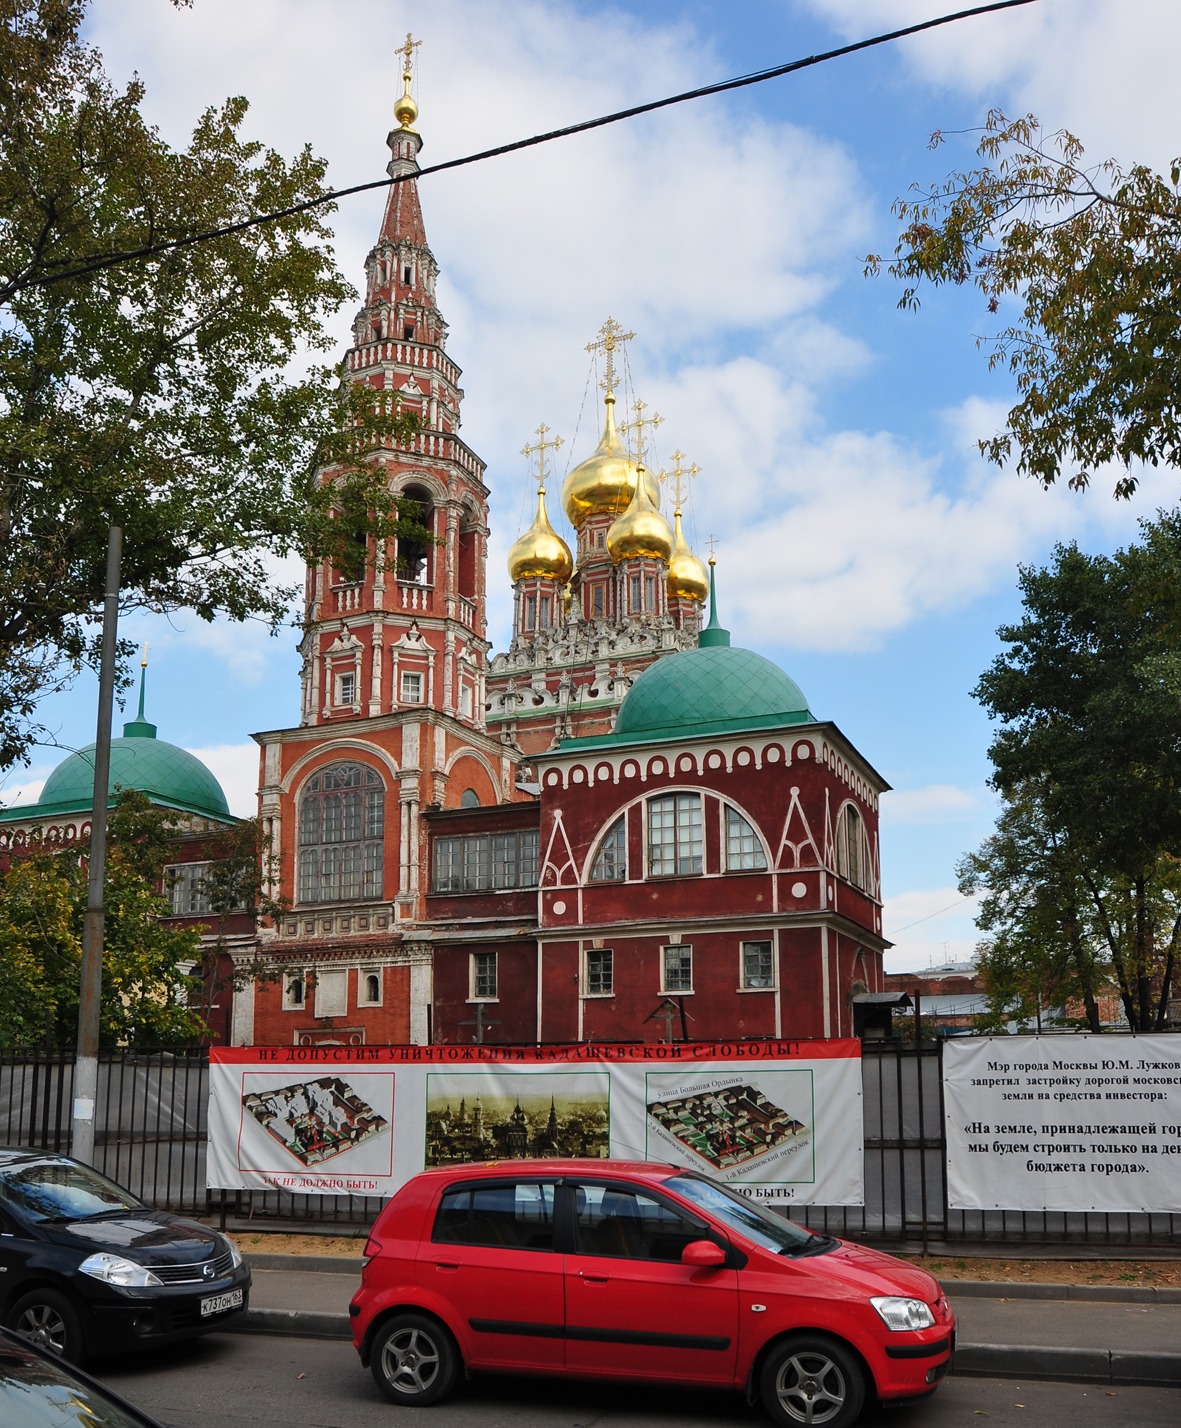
{"x": 812, "y": 1380}
{"x": 50, "y": 1321}
{"x": 414, "y": 1360}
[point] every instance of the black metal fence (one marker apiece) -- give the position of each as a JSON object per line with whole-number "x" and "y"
{"x": 151, "y": 1134}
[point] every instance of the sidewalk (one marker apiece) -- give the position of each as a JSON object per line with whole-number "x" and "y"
{"x": 1086, "y": 1334}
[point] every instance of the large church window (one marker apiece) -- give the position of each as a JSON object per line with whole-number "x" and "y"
{"x": 674, "y": 835}
{"x": 414, "y": 552}
{"x": 341, "y": 835}
{"x": 744, "y": 851}
{"x": 610, "y": 863}
{"x": 486, "y": 862}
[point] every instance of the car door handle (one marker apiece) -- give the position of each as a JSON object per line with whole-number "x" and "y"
{"x": 594, "y": 1278}
{"x": 446, "y": 1264}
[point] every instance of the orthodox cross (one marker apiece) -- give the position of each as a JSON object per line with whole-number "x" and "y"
{"x": 712, "y": 542}
{"x": 407, "y": 50}
{"x": 668, "y": 1012}
{"x": 639, "y": 425}
{"x": 679, "y": 478}
{"x": 611, "y": 335}
{"x": 479, "y": 1022}
{"x": 539, "y": 449}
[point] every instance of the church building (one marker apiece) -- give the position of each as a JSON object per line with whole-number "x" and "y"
{"x": 623, "y": 828}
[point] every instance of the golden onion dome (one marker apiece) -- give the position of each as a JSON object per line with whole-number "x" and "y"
{"x": 540, "y": 552}
{"x": 688, "y": 578}
{"x": 605, "y": 482}
{"x": 406, "y": 110}
{"x": 641, "y": 530}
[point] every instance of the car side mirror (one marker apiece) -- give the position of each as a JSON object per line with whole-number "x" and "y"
{"x": 703, "y": 1254}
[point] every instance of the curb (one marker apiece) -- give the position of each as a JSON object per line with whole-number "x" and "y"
{"x": 300, "y": 1323}
{"x": 1078, "y": 1293}
{"x": 1110, "y": 1366}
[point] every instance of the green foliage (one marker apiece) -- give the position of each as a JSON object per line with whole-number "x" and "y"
{"x": 1082, "y": 871}
{"x": 158, "y": 393}
{"x": 42, "y": 904}
{"x": 1092, "y": 255}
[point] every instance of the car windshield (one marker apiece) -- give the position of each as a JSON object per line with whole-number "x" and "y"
{"x": 36, "y": 1394}
{"x": 760, "y": 1225}
{"x": 62, "y": 1190}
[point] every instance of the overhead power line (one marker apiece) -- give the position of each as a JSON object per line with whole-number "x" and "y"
{"x": 111, "y": 260}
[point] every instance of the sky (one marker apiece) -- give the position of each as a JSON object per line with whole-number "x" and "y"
{"x": 862, "y": 542}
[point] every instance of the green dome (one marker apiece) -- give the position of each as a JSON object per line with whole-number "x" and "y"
{"x": 168, "y": 775}
{"x": 710, "y": 690}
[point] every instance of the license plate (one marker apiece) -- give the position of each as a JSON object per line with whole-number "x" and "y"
{"x": 219, "y": 1303}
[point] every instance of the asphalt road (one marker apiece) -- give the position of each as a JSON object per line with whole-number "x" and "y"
{"x": 254, "y": 1381}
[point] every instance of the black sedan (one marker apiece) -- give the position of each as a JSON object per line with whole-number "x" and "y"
{"x": 87, "y": 1268}
{"x": 37, "y": 1390}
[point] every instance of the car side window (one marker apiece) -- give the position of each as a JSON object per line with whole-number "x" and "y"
{"x": 627, "y": 1224}
{"x": 508, "y": 1214}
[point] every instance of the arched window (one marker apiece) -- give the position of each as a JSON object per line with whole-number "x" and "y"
{"x": 744, "y": 851}
{"x": 414, "y": 554}
{"x": 851, "y": 846}
{"x": 470, "y": 799}
{"x": 610, "y": 863}
{"x": 341, "y": 828}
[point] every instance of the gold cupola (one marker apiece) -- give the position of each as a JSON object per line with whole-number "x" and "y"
{"x": 688, "y": 578}
{"x": 606, "y": 481}
{"x": 406, "y": 110}
{"x": 641, "y": 530}
{"x": 540, "y": 552}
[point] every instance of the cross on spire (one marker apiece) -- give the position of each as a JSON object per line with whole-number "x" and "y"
{"x": 538, "y": 449}
{"x": 407, "y": 51}
{"x": 712, "y": 542}
{"x": 611, "y": 335}
{"x": 639, "y": 425}
{"x": 679, "y": 478}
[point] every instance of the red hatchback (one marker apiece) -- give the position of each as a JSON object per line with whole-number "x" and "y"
{"x": 630, "y": 1270}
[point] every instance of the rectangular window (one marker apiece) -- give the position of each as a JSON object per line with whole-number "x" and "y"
{"x": 756, "y": 965}
{"x": 543, "y": 607}
{"x": 600, "y": 972}
{"x": 480, "y": 862}
{"x": 332, "y": 993}
{"x": 634, "y": 595}
{"x": 484, "y": 976}
{"x": 530, "y": 612}
{"x": 465, "y": 700}
{"x": 185, "y": 884}
{"x": 411, "y": 688}
{"x": 346, "y": 688}
{"x": 649, "y": 593}
{"x": 676, "y": 964}
{"x": 674, "y": 835}
{"x": 294, "y": 990}
{"x": 597, "y": 601}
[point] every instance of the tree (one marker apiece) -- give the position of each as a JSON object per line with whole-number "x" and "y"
{"x": 1088, "y": 759}
{"x": 1092, "y": 254}
{"x": 146, "y": 987}
{"x": 158, "y": 393}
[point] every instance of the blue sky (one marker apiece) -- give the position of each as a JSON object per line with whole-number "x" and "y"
{"x": 862, "y": 542}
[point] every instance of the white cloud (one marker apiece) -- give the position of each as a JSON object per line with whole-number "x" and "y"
{"x": 937, "y": 803}
{"x": 235, "y": 766}
{"x": 929, "y": 928}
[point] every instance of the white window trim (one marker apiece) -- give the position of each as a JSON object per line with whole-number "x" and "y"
{"x": 334, "y": 974}
{"x": 473, "y": 995}
{"x": 363, "y": 975}
{"x": 772, "y": 985}
{"x": 665, "y": 989}
{"x": 586, "y": 993}
{"x": 295, "y": 973}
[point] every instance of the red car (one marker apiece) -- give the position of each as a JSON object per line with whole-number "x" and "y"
{"x": 631, "y": 1270}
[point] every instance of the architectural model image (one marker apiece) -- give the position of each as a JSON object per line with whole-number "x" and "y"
{"x": 315, "y": 1120}
{"x": 728, "y": 1127}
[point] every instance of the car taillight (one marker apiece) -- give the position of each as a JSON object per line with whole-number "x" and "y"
{"x": 371, "y": 1251}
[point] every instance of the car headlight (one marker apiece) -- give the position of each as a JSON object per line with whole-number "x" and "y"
{"x": 235, "y": 1253}
{"x": 114, "y": 1269}
{"x": 899, "y": 1313}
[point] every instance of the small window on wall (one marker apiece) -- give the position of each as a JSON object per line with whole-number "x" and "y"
{"x": 294, "y": 991}
{"x": 484, "y": 976}
{"x": 465, "y": 700}
{"x": 411, "y": 688}
{"x": 757, "y": 971}
{"x": 470, "y": 799}
{"x": 676, "y": 968}
{"x": 850, "y": 846}
{"x": 597, "y": 601}
{"x": 369, "y": 989}
{"x": 744, "y": 852}
{"x": 346, "y": 688}
{"x": 600, "y": 972}
{"x": 610, "y": 863}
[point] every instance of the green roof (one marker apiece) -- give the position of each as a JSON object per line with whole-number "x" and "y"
{"x": 170, "y": 776}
